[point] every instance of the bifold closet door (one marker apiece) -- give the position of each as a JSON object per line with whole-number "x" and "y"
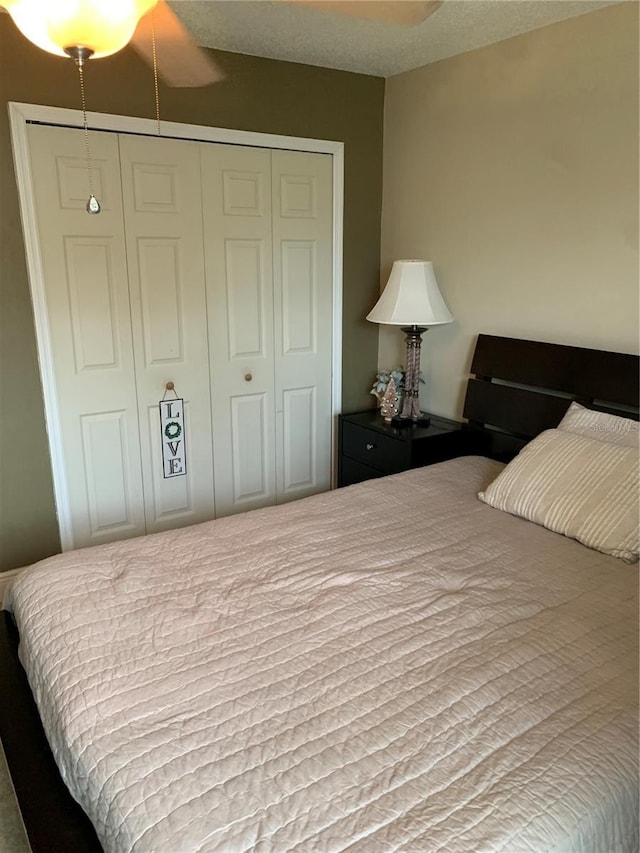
{"x": 302, "y": 202}
{"x": 163, "y": 216}
{"x": 238, "y": 255}
{"x": 268, "y": 250}
{"x": 87, "y": 298}
{"x": 126, "y": 306}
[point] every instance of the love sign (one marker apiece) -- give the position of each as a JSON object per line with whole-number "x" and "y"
{"x": 174, "y": 457}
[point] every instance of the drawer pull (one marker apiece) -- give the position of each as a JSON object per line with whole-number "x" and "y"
{"x": 370, "y": 446}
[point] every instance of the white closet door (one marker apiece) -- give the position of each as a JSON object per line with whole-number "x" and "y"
{"x": 87, "y": 298}
{"x": 163, "y": 215}
{"x": 303, "y": 263}
{"x": 210, "y": 266}
{"x": 237, "y": 231}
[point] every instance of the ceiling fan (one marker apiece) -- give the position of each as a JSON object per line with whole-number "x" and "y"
{"x": 83, "y": 29}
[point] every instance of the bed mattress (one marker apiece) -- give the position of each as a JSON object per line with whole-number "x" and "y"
{"x": 392, "y": 666}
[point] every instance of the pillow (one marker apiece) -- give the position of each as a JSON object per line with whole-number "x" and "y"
{"x": 600, "y": 425}
{"x": 577, "y": 486}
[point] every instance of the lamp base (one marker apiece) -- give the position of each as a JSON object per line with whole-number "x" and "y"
{"x": 422, "y": 420}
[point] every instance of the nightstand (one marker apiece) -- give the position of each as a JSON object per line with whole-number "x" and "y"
{"x": 369, "y": 447}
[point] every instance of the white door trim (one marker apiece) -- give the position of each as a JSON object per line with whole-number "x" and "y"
{"x": 20, "y": 116}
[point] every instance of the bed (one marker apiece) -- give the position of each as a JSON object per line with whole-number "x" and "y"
{"x": 397, "y": 665}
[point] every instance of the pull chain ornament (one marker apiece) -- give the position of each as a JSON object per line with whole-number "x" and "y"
{"x": 93, "y": 205}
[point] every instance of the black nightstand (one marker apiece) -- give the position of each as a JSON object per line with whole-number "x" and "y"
{"x": 369, "y": 447}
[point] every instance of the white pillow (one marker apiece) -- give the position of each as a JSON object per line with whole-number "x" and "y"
{"x": 577, "y": 486}
{"x": 601, "y": 426}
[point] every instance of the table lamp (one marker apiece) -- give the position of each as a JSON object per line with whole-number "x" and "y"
{"x": 412, "y": 300}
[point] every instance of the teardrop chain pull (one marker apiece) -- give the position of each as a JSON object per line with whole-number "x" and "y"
{"x": 93, "y": 205}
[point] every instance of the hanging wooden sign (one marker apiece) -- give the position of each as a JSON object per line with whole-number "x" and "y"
{"x": 174, "y": 457}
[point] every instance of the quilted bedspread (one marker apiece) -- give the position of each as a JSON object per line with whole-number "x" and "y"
{"x": 392, "y": 666}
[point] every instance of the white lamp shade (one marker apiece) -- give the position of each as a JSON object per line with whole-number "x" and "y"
{"x": 411, "y": 297}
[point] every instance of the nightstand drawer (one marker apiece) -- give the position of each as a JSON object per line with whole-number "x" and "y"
{"x": 374, "y": 449}
{"x": 355, "y": 472}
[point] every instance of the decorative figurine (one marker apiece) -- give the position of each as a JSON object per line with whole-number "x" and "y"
{"x": 390, "y": 403}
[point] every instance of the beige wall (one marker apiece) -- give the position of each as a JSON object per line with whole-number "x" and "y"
{"x": 514, "y": 168}
{"x": 258, "y": 94}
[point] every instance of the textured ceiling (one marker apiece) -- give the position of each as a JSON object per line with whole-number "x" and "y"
{"x": 299, "y": 33}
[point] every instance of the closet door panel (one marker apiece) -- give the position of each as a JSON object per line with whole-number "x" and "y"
{"x": 246, "y": 320}
{"x": 303, "y": 276}
{"x": 300, "y": 437}
{"x": 110, "y": 478}
{"x": 163, "y": 214}
{"x": 87, "y": 300}
{"x": 238, "y": 253}
{"x": 89, "y": 266}
{"x": 299, "y": 297}
{"x": 251, "y": 434}
{"x": 161, "y": 300}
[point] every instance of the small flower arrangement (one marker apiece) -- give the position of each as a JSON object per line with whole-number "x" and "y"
{"x": 382, "y": 380}
{"x": 380, "y": 385}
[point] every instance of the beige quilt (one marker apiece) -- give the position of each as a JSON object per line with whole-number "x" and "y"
{"x": 394, "y": 666}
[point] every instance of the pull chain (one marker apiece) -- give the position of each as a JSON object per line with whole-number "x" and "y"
{"x": 93, "y": 205}
{"x": 155, "y": 68}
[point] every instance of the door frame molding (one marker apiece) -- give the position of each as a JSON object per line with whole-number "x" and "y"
{"x": 20, "y": 115}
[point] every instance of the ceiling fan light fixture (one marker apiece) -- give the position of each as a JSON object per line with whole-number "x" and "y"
{"x": 99, "y": 27}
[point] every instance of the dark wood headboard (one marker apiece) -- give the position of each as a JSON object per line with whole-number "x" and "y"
{"x": 524, "y": 387}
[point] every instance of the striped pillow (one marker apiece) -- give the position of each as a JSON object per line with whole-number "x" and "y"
{"x": 577, "y": 486}
{"x": 601, "y": 426}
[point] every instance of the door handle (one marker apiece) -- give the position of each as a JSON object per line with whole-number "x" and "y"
{"x": 248, "y": 377}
